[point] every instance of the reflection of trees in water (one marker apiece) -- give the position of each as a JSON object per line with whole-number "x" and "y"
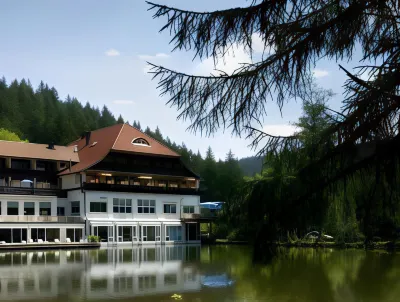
{"x": 378, "y": 278}
{"x": 318, "y": 275}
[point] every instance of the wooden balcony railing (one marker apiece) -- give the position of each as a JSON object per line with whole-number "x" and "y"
{"x": 139, "y": 189}
{"x": 32, "y": 191}
{"x": 34, "y": 218}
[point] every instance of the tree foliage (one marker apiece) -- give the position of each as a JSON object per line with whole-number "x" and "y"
{"x": 41, "y": 117}
{"x": 360, "y": 142}
{"x": 6, "y": 135}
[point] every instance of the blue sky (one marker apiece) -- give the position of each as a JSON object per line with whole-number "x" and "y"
{"x": 96, "y": 50}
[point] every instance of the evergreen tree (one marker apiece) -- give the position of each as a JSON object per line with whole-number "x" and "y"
{"x": 106, "y": 119}
{"x": 157, "y": 135}
{"x": 148, "y": 131}
{"x": 120, "y": 120}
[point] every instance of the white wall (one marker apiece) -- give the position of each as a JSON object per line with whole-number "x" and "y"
{"x": 68, "y": 182}
{"x": 160, "y": 199}
{"x": 28, "y": 198}
{"x": 75, "y": 195}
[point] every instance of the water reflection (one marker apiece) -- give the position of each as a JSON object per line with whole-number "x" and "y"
{"x": 218, "y": 273}
{"x": 96, "y": 274}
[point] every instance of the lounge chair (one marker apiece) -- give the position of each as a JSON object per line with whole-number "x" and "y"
{"x": 68, "y": 240}
{"x": 40, "y": 240}
{"x": 56, "y": 241}
{"x": 2, "y": 242}
{"x": 30, "y": 241}
{"x": 23, "y": 241}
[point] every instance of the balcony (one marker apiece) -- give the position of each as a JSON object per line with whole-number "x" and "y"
{"x": 139, "y": 189}
{"x": 13, "y": 190}
{"x": 200, "y": 214}
{"x": 35, "y": 219}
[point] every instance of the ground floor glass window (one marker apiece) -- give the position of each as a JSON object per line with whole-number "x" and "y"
{"x": 151, "y": 233}
{"x": 173, "y": 233}
{"x": 75, "y": 235}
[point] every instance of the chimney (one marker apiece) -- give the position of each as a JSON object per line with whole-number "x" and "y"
{"x": 87, "y": 135}
{"x": 76, "y": 148}
{"x": 51, "y": 146}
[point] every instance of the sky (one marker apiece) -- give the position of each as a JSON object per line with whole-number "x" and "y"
{"x": 96, "y": 51}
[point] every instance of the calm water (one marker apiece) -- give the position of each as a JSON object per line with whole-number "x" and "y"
{"x": 220, "y": 273}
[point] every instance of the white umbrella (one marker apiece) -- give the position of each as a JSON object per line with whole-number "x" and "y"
{"x": 27, "y": 180}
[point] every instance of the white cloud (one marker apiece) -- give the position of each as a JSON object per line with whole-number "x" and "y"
{"x": 320, "y": 73}
{"x": 258, "y": 45}
{"x": 112, "y": 52}
{"x": 146, "y": 69}
{"x": 233, "y": 59}
{"x": 280, "y": 129}
{"x": 123, "y": 102}
{"x": 160, "y": 55}
{"x": 229, "y": 63}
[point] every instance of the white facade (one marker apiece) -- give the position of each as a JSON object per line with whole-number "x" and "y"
{"x": 100, "y": 209}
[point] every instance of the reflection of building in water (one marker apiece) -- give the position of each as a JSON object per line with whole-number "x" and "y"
{"x": 97, "y": 274}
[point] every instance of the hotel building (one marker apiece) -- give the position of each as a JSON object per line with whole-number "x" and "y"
{"x": 116, "y": 182}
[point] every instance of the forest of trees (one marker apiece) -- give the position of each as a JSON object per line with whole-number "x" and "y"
{"x": 340, "y": 173}
{"x": 40, "y": 116}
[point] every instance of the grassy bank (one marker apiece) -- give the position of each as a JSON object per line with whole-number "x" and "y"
{"x": 382, "y": 245}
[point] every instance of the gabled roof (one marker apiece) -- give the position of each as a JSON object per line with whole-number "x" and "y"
{"x": 128, "y": 134}
{"x": 116, "y": 138}
{"x": 37, "y": 151}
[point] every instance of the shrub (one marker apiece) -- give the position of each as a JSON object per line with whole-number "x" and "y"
{"x": 92, "y": 238}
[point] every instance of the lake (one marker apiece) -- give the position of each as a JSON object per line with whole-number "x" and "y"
{"x": 194, "y": 273}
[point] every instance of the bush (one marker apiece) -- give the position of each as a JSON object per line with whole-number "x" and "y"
{"x": 92, "y": 238}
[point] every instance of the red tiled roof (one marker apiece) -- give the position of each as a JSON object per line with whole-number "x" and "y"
{"x": 128, "y": 134}
{"x": 114, "y": 138}
{"x": 37, "y": 151}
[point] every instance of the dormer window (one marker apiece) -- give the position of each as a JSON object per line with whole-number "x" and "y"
{"x": 141, "y": 142}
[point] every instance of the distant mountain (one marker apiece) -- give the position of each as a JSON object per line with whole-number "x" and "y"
{"x": 250, "y": 165}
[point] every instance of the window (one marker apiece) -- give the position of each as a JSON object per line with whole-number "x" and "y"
{"x": 63, "y": 166}
{"x": 40, "y": 166}
{"x": 169, "y": 208}
{"x": 20, "y": 164}
{"x": 45, "y": 208}
{"x": 29, "y": 208}
{"x": 75, "y": 235}
{"x": 146, "y": 206}
{"x": 170, "y": 279}
{"x": 77, "y": 179}
{"x": 75, "y": 208}
{"x": 60, "y": 211}
{"x": 173, "y": 233}
{"x": 122, "y": 205}
{"x": 188, "y": 209}
{"x": 151, "y": 233}
{"x": 98, "y": 206}
{"x": 12, "y": 208}
{"x": 141, "y": 141}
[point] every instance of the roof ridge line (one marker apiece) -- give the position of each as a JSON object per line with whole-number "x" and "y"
{"x": 79, "y": 138}
{"x": 156, "y": 140}
{"x": 116, "y": 139}
{"x": 3, "y": 140}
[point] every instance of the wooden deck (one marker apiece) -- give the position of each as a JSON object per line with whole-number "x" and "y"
{"x": 49, "y": 246}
